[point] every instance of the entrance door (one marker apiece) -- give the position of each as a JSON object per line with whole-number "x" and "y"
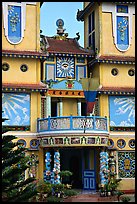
{"x": 89, "y": 180}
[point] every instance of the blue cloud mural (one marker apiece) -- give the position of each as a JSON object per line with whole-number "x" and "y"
{"x": 16, "y": 108}
{"x": 122, "y": 111}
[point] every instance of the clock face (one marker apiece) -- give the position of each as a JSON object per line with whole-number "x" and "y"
{"x": 65, "y": 67}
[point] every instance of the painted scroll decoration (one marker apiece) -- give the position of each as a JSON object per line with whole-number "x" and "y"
{"x": 14, "y": 23}
{"x": 14, "y": 16}
{"x": 122, "y": 32}
{"x": 122, "y": 24}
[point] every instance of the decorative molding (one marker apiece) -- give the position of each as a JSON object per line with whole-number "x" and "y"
{"x": 74, "y": 141}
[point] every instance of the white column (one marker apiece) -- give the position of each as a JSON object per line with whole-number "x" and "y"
{"x": 48, "y": 106}
{"x": 79, "y": 107}
{"x": 60, "y": 107}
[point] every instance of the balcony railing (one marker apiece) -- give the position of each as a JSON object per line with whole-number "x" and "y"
{"x": 72, "y": 123}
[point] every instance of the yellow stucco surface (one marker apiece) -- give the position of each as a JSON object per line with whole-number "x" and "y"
{"x": 15, "y": 75}
{"x": 120, "y": 80}
{"x": 36, "y": 113}
{"x": 69, "y": 107}
{"x": 127, "y": 184}
{"x": 104, "y": 106}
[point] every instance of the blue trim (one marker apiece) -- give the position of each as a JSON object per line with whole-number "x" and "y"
{"x": 89, "y": 180}
{"x": 95, "y": 166}
{"x": 71, "y": 123}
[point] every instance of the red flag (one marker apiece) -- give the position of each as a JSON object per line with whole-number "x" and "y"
{"x": 90, "y": 97}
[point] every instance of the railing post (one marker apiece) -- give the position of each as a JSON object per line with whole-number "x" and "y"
{"x": 49, "y": 122}
{"x": 94, "y": 122}
{"x": 38, "y": 124}
{"x": 71, "y": 122}
{"x": 106, "y": 123}
{"x": 85, "y": 121}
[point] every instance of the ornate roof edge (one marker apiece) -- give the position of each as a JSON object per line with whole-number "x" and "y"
{"x": 126, "y": 2}
{"x": 81, "y": 13}
{"x": 12, "y": 87}
{"x": 113, "y": 60}
{"x": 117, "y": 91}
{"x": 24, "y": 54}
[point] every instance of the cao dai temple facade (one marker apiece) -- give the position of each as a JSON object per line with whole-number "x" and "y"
{"x": 44, "y": 81}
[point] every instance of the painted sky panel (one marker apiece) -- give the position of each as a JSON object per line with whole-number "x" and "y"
{"x": 122, "y": 111}
{"x": 16, "y": 108}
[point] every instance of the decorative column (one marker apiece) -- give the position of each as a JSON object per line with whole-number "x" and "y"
{"x": 48, "y": 106}
{"x": 60, "y": 107}
{"x": 112, "y": 164}
{"x": 79, "y": 107}
{"x": 56, "y": 169}
{"x": 112, "y": 167}
{"x": 103, "y": 168}
{"x": 33, "y": 162}
{"x": 47, "y": 172}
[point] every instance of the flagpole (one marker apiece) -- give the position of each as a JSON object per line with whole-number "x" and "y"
{"x": 88, "y": 87}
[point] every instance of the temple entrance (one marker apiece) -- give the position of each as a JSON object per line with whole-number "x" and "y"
{"x": 70, "y": 159}
{"x": 79, "y": 160}
{"x": 83, "y": 162}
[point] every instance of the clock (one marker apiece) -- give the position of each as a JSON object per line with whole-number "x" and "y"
{"x": 65, "y": 67}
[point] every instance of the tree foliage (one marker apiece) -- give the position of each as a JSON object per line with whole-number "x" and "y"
{"x": 15, "y": 188}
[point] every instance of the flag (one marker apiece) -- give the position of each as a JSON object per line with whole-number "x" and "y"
{"x": 90, "y": 97}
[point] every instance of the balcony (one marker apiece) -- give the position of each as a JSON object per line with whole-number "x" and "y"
{"x": 72, "y": 124}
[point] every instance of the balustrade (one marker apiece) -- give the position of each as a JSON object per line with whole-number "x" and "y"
{"x": 73, "y": 123}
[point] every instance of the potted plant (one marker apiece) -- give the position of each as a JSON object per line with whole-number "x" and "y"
{"x": 125, "y": 199}
{"x": 102, "y": 191}
{"x": 119, "y": 193}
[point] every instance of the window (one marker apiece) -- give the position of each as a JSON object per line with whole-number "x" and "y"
{"x": 91, "y": 30}
{"x": 121, "y": 143}
{"x": 114, "y": 71}
{"x": 5, "y": 66}
{"x": 80, "y": 72}
{"x": 131, "y": 72}
{"x": 131, "y": 143}
{"x": 24, "y": 68}
{"x": 49, "y": 71}
{"x": 122, "y": 9}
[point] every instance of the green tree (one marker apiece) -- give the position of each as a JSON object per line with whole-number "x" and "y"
{"x": 14, "y": 163}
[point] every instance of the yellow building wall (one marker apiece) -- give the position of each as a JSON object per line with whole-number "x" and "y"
{"x": 104, "y": 40}
{"x": 35, "y": 110}
{"x": 104, "y": 105}
{"x": 108, "y": 46}
{"x": 69, "y": 107}
{"x": 15, "y": 75}
{"x": 92, "y": 159}
{"x": 31, "y": 40}
{"x": 127, "y": 184}
{"x": 120, "y": 80}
